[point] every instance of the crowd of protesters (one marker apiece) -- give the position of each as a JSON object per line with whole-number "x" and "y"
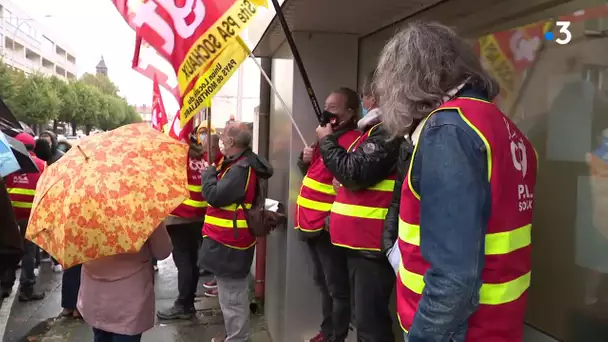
{"x": 413, "y": 187}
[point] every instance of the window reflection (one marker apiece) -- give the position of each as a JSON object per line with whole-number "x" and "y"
{"x": 558, "y": 96}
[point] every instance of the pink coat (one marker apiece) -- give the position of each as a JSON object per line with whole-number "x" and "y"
{"x": 117, "y": 292}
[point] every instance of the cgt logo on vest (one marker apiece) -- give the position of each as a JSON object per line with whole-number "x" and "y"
{"x": 520, "y": 163}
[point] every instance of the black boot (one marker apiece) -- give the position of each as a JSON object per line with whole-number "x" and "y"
{"x": 29, "y": 295}
{"x": 176, "y": 312}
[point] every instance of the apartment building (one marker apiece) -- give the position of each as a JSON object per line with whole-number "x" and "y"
{"x": 27, "y": 45}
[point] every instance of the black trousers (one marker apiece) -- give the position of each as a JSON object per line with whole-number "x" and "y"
{"x": 27, "y": 280}
{"x": 70, "y": 285}
{"x": 371, "y": 285}
{"x": 331, "y": 276}
{"x": 186, "y": 239}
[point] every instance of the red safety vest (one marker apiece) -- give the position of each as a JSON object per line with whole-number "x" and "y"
{"x": 512, "y": 165}
{"x": 317, "y": 193}
{"x": 357, "y": 217}
{"x": 219, "y": 222}
{"x": 195, "y": 206}
{"x": 21, "y": 189}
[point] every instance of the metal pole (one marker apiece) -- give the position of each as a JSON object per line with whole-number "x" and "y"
{"x": 298, "y": 59}
{"x": 287, "y": 110}
{"x": 209, "y": 150}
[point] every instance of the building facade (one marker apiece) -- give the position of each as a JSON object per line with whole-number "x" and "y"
{"x": 556, "y": 93}
{"x": 28, "y": 46}
{"x": 145, "y": 111}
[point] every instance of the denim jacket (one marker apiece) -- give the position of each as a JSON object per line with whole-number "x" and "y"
{"x": 450, "y": 174}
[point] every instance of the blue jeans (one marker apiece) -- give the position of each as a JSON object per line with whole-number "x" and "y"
{"x": 105, "y": 336}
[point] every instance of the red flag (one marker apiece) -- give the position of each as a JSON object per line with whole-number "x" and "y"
{"x": 190, "y": 34}
{"x": 146, "y": 61}
{"x": 159, "y": 115}
{"x": 179, "y": 133}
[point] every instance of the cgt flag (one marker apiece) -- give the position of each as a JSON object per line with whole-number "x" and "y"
{"x": 159, "y": 115}
{"x": 177, "y": 132}
{"x": 218, "y": 74}
{"x": 190, "y": 34}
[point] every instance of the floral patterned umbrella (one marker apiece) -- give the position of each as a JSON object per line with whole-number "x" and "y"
{"x": 108, "y": 194}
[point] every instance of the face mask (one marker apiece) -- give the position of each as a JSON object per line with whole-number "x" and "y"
{"x": 364, "y": 110}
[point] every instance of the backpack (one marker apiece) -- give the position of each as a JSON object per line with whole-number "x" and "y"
{"x": 259, "y": 220}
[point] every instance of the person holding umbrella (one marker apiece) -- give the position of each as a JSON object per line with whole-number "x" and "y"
{"x": 21, "y": 188}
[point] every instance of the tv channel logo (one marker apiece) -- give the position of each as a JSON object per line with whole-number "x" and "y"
{"x": 564, "y": 35}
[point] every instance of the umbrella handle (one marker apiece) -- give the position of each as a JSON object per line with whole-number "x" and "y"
{"x": 84, "y": 154}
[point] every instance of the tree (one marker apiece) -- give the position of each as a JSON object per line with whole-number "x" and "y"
{"x": 88, "y": 105}
{"x": 131, "y": 115}
{"x": 69, "y": 100}
{"x": 36, "y": 101}
{"x": 116, "y": 113}
{"x": 7, "y": 84}
{"x": 101, "y": 82}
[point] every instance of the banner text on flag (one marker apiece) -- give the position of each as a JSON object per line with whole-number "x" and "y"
{"x": 208, "y": 84}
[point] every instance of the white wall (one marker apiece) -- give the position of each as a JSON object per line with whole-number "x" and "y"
{"x": 293, "y": 308}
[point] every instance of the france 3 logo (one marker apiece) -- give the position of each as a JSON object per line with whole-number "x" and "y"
{"x": 563, "y": 37}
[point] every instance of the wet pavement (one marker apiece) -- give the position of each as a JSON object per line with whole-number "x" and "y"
{"x": 39, "y": 322}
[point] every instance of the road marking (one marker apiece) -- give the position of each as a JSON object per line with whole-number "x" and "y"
{"x": 7, "y": 305}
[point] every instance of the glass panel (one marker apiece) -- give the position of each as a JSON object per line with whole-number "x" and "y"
{"x": 558, "y": 95}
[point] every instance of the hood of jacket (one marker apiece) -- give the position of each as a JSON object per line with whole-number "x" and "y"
{"x": 195, "y": 151}
{"x": 372, "y": 118}
{"x": 262, "y": 167}
{"x": 53, "y": 137}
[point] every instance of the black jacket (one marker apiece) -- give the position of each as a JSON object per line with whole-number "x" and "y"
{"x": 391, "y": 222}
{"x": 365, "y": 167}
{"x": 11, "y": 237}
{"x": 55, "y": 153}
{"x": 214, "y": 257}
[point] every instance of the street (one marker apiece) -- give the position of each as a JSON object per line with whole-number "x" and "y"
{"x": 39, "y": 322}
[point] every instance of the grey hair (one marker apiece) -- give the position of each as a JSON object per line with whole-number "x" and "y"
{"x": 241, "y": 134}
{"x": 418, "y": 67}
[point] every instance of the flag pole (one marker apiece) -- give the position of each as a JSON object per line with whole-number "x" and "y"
{"x": 287, "y": 110}
{"x": 298, "y": 59}
{"x": 209, "y": 150}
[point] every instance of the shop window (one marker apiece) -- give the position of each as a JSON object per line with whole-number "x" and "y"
{"x": 558, "y": 96}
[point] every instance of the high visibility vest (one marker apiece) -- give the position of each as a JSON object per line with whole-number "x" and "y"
{"x": 512, "y": 165}
{"x": 21, "y": 188}
{"x": 357, "y": 217}
{"x": 219, "y": 222}
{"x": 317, "y": 193}
{"x": 195, "y": 206}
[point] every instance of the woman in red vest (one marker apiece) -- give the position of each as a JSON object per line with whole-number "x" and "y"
{"x": 465, "y": 211}
{"x": 366, "y": 173}
{"x": 184, "y": 226}
{"x": 313, "y": 207}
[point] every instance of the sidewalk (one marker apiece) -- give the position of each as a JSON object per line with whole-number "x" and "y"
{"x": 38, "y": 321}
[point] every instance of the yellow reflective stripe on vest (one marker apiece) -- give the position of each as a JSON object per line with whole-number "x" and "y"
{"x": 496, "y": 243}
{"x": 386, "y": 185}
{"x": 489, "y": 294}
{"x": 21, "y": 191}
{"x": 24, "y": 205}
{"x": 225, "y": 223}
{"x": 359, "y": 211}
{"x": 318, "y": 186}
{"x": 195, "y": 204}
{"x": 233, "y": 207}
{"x": 195, "y": 188}
{"x": 314, "y": 205}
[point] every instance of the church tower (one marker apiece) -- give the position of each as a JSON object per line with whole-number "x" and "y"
{"x": 101, "y": 67}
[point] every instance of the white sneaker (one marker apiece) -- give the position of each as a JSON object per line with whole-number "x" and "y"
{"x": 36, "y": 271}
{"x": 57, "y": 268}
